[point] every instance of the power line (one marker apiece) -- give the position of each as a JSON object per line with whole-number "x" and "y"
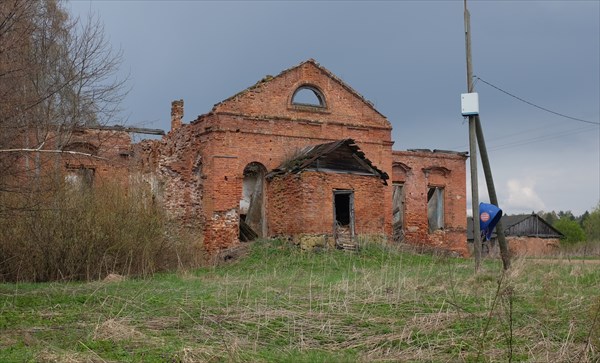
{"x": 540, "y": 138}
{"x": 530, "y": 140}
{"x": 533, "y": 104}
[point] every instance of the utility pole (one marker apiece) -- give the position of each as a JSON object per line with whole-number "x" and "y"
{"x": 472, "y": 147}
{"x": 487, "y": 170}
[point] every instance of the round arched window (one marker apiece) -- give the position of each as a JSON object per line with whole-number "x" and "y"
{"x": 308, "y": 96}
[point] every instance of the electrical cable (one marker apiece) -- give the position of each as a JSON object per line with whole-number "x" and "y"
{"x": 539, "y": 139}
{"x": 533, "y": 104}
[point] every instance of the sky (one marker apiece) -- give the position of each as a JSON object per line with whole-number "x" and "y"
{"x": 408, "y": 58}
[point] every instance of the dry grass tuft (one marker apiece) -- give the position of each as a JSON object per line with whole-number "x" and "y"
{"x": 113, "y": 278}
{"x": 117, "y": 330}
{"x": 48, "y": 356}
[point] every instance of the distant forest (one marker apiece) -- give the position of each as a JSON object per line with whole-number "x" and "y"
{"x": 585, "y": 227}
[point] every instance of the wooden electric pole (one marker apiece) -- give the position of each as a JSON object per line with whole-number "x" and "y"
{"x": 487, "y": 170}
{"x": 473, "y": 148}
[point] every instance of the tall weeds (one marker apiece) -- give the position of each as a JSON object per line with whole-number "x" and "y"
{"x": 79, "y": 234}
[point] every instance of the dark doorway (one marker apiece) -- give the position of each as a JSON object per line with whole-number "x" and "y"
{"x": 342, "y": 208}
{"x": 343, "y": 213}
{"x": 252, "y": 206}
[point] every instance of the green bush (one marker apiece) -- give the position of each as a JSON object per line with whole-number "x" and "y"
{"x": 571, "y": 230}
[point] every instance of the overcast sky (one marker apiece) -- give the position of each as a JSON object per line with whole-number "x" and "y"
{"x": 408, "y": 58}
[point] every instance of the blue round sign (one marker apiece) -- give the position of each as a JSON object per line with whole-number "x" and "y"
{"x": 489, "y": 215}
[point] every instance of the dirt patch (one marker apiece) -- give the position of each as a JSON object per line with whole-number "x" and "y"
{"x": 232, "y": 254}
{"x": 113, "y": 278}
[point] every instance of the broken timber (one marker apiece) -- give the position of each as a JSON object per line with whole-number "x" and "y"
{"x": 247, "y": 234}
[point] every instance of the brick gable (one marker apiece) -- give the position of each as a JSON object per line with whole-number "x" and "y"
{"x": 272, "y": 98}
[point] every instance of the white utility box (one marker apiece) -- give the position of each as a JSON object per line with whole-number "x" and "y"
{"x": 469, "y": 103}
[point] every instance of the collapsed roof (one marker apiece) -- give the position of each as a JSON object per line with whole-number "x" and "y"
{"x": 342, "y": 156}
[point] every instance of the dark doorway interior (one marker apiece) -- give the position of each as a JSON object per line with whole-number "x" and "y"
{"x": 342, "y": 208}
{"x": 252, "y": 207}
{"x": 343, "y": 228}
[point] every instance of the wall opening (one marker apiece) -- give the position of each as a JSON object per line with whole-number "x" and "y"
{"x": 435, "y": 208}
{"x": 81, "y": 178}
{"x": 82, "y": 147}
{"x": 343, "y": 213}
{"x": 398, "y": 211}
{"x": 252, "y": 204}
{"x": 308, "y": 96}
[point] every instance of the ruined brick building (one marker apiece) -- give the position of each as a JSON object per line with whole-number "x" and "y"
{"x": 81, "y": 155}
{"x": 302, "y": 155}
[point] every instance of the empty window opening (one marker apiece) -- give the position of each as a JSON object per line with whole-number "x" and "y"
{"x": 435, "y": 208}
{"x": 80, "y": 178}
{"x": 252, "y": 212}
{"x": 308, "y": 96}
{"x": 398, "y": 210}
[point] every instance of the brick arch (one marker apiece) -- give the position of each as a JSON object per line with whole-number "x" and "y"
{"x": 440, "y": 170}
{"x": 316, "y": 90}
{"x": 252, "y": 202}
{"x": 436, "y": 175}
{"x": 82, "y": 147}
{"x": 400, "y": 171}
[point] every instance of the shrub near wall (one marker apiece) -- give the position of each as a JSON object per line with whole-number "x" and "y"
{"x": 83, "y": 234}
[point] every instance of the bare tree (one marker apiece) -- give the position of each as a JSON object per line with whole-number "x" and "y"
{"x": 56, "y": 74}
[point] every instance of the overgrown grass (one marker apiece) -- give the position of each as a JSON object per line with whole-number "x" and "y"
{"x": 580, "y": 250}
{"x": 280, "y": 304}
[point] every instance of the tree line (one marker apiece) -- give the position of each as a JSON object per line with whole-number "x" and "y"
{"x": 584, "y": 227}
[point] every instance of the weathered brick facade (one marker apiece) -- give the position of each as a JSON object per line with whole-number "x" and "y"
{"x": 418, "y": 171}
{"x": 111, "y": 152}
{"x": 201, "y": 170}
{"x": 80, "y": 156}
{"x": 303, "y": 203}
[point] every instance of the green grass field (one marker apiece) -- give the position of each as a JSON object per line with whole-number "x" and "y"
{"x": 280, "y": 304}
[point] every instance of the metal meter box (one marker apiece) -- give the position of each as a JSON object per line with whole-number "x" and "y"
{"x": 469, "y": 103}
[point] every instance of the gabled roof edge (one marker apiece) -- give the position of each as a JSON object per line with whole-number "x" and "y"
{"x": 343, "y": 84}
{"x": 327, "y": 72}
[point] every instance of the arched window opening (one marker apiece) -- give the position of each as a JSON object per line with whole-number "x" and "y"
{"x": 82, "y": 147}
{"x": 308, "y": 96}
{"x": 252, "y": 211}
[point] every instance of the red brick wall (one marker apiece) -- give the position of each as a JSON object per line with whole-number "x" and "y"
{"x": 107, "y": 152}
{"x": 273, "y": 96}
{"x": 199, "y": 166}
{"x": 419, "y": 170}
{"x": 303, "y": 203}
{"x": 174, "y": 167}
{"x": 532, "y": 246}
{"x": 113, "y": 151}
{"x": 261, "y": 125}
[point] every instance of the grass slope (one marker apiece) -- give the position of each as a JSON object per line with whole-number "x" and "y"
{"x": 279, "y": 304}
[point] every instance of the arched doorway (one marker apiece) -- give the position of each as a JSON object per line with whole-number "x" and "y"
{"x": 252, "y": 203}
